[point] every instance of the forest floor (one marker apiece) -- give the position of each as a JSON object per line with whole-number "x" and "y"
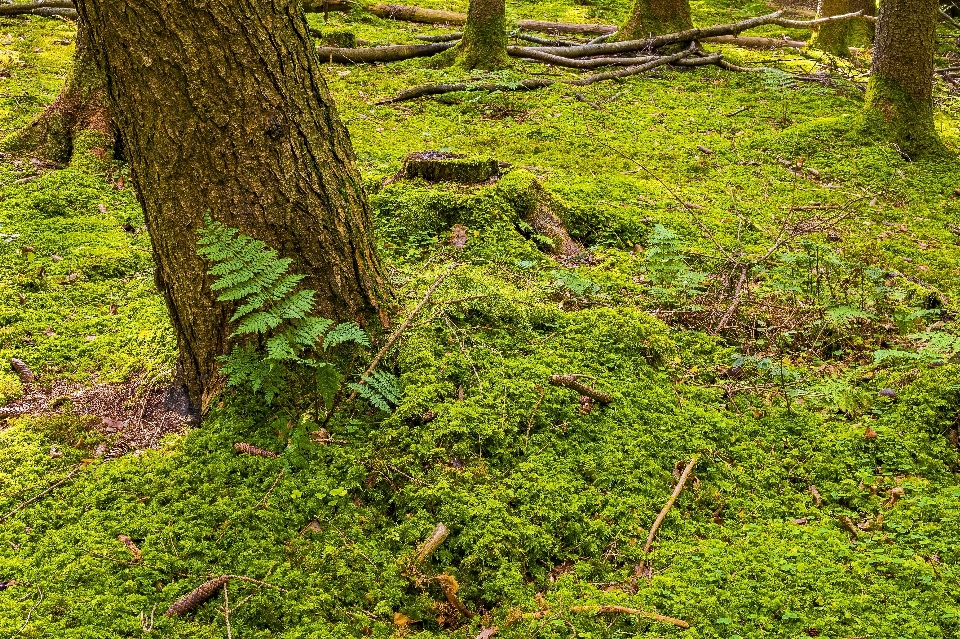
{"x": 822, "y": 411}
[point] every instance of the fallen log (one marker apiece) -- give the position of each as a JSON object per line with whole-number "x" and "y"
{"x": 567, "y": 27}
{"x": 27, "y": 7}
{"x": 691, "y": 35}
{"x": 393, "y": 53}
{"x": 389, "y": 11}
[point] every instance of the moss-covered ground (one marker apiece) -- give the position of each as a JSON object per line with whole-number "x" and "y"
{"x": 673, "y": 181}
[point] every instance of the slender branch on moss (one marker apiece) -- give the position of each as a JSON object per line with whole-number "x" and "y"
{"x": 573, "y": 383}
{"x": 630, "y": 611}
{"x": 669, "y": 505}
{"x": 42, "y": 494}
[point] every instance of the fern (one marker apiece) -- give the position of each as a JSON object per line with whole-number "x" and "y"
{"x": 287, "y": 358}
{"x": 380, "y": 389}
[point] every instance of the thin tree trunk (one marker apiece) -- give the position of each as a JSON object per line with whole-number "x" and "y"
{"x": 861, "y": 32}
{"x": 484, "y": 42}
{"x": 656, "y": 17}
{"x": 899, "y": 102}
{"x": 77, "y": 126}
{"x": 833, "y": 37}
{"x": 222, "y": 110}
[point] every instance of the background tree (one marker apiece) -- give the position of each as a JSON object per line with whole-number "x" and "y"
{"x": 899, "y": 101}
{"x": 222, "y": 109}
{"x": 77, "y": 124}
{"x": 833, "y": 37}
{"x": 656, "y": 17}
{"x": 861, "y": 32}
{"x": 484, "y": 42}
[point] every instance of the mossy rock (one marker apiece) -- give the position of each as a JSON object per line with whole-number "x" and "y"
{"x": 437, "y": 166}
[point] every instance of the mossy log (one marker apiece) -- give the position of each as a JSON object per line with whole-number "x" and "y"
{"x": 436, "y": 166}
{"x": 336, "y": 55}
{"x": 567, "y": 27}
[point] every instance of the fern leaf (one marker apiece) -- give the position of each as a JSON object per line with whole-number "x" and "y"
{"x": 346, "y": 332}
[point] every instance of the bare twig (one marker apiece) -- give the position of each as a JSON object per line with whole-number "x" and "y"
{"x": 666, "y": 508}
{"x": 573, "y": 383}
{"x": 226, "y": 610}
{"x": 30, "y": 614}
{"x": 396, "y": 334}
{"x": 49, "y": 490}
{"x": 433, "y": 542}
{"x": 630, "y": 611}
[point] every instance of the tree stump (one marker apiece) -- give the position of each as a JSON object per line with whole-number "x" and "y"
{"x": 437, "y": 166}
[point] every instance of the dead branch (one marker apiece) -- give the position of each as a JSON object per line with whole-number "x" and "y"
{"x": 573, "y": 383}
{"x": 38, "y": 496}
{"x": 847, "y": 524}
{"x": 30, "y": 7}
{"x": 754, "y": 42}
{"x": 666, "y": 508}
{"x": 566, "y": 27}
{"x": 396, "y": 335}
{"x": 388, "y": 11}
{"x": 607, "y": 610}
{"x": 547, "y": 42}
{"x": 817, "y": 499}
{"x": 250, "y": 449}
{"x": 744, "y": 271}
{"x": 450, "y": 587}
{"x": 394, "y": 53}
{"x": 690, "y": 35}
{"x": 533, "y": 84}
{"x": 132, "y": 547}
{"x": 446, "y": 37}
{"x": 439, "y": 534}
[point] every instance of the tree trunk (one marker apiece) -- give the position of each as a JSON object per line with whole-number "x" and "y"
{"x": 484, "y": 42}
{"x": 656, "y": 17}
{"x": 861, "y": 32}
{"x": 77, "y": 126}
{"x": 833, "y": 37}
{"x": 899, "y": 101}
{"x": 222, "y": 109}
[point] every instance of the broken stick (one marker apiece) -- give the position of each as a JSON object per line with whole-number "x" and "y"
{"x": 573, "y": 383}
{"x": 666, "y": 509}
{"x": 631, "y": 611}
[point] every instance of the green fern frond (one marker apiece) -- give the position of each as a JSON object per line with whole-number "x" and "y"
{"x": 380, "y": 389}
{"x": 346, "y": 332}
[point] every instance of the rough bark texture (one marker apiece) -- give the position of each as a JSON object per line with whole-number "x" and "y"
{"x": 833, "y": 38}
{"x": 656, "y": 17}
{"x": 484, "y": 42}
{"x": 899, "y": 101}
{"x": 222, "y": 110}
{"x": 77, "y": 125}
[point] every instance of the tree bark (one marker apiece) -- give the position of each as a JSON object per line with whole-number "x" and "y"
{"x": 222, "y": 110}
{"x": 484, "y": 42}
{"x": 899, "y": 101}
{"x": 833, "y": 37}
{"x": 656, "y": 17}
{"x": 862, "y": 32}
{"x": 77, "y": 126}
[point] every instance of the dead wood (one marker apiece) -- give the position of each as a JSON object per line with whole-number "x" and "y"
{"x": 437, "y": 537}
{"x": 35, "y": 7}
{"x": 817, "y": 499}
{"x": 669, "y": 504}
{"x": 566, "y": 27}
{"x": 440, "y": 166}
{"x": 547, "y": 42}
{"x": 690, "y": 35}
{"x": 754, "y": 42}
{"x": 848, "y": 525}
{"x": 607, "y": 610}
{"x": 389, "y": 11}
{"x": 250, "y": 449}
{"x": 573, "y": 383}
{"x": 446, "y": 37}
{"x": 393, "y": 53}
{"x": 450, "y": 587}
{"x": 22, "y": 370}
{"x": 532, "y": 84}
{"x": 132, "y": 547}
{"x": 40, "y": 495}
{"x": 895, "y": 494}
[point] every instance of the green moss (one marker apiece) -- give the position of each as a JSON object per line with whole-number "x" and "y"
{"x": 892, "y": 114}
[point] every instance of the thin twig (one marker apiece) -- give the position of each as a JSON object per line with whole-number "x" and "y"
{"x": 396, "y": 335}
{"x": 42, "y": 494}
{"x": 666, "y": 509}
{"x": 30, "y": 614}
{"x": 630, "y": 611}
{"x": 226, "y": 610}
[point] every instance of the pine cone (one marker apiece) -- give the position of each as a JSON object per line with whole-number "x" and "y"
{"x": 198, "y": 597}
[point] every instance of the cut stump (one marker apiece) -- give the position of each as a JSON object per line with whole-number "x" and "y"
{"x": 438, "y": 166}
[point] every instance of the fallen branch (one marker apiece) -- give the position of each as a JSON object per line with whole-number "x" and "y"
{"x": 396, "y": 335}
{"x": 754, "y": 42}
{"x": 607, "y": 610}
{"x": 450, "y": 587}
{"x": 29, "y": 7}
{"x": 40, "y": 495}
{"x": 250, "y": 449}
{"x": 531, "y": 84}
{"x": 666, "y": 508}
{"x": 21, "y": 369}
{"x": 690, "y": 35}
{"x": 132, "y": 547}
{"x": 547, "y": 42}
{"x": 446, "y": 37}
{"x": 573, "y": 383}
{"x": 388, "y": 11}
{"x": 566, "y": 27}
{"x": 393, "y": 53}
{"x": 439, "y": 534}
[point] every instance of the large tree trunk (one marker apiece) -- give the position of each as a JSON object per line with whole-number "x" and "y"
{"x": 484, "y": 43}
{"x": 833, "y": 37}
{"x": 77, "y": 126}
{"x": 899, "y": 103}
{"x": 222, "y": 109}
{"x": 656, "y": 17}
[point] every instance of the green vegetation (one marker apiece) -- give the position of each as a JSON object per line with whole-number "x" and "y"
{"x": 677, "y": 183}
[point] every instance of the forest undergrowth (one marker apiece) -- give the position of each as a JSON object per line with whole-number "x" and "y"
{"x": 761, "y": 290}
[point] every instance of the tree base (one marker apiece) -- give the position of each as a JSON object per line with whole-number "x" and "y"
{"x": 891, "y": 114}
{"x": 469, "y": 58}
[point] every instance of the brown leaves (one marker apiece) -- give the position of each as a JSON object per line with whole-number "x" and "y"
{"x": 458, "y": 236}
